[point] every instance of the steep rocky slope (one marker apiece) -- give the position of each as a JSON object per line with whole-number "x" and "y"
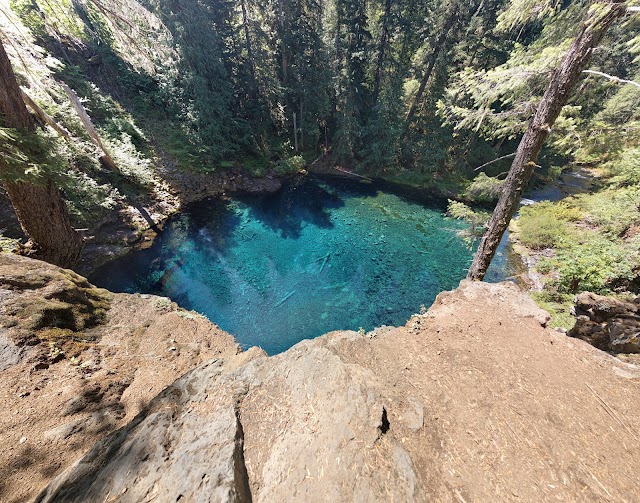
{"x": 608, "y": 323}
{"x": 77, "y": 362}
{"x": 473, "y": 401}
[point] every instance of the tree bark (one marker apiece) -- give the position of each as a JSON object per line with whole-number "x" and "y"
{"x": 433, "y": 59}
{"x": 601, "y": 15}
{"x": 384, "y": 37}
{"x": 247, "y": 38}
{"x": 39, "y": 207}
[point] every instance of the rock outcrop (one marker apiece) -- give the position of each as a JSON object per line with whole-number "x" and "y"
{"x": 607, "y": 323}
{"x": 78, "y": 362}
{"x": 473, "y": 401}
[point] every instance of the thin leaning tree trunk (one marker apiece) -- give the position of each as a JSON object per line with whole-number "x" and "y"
{"x": 39, "y": 207}
{"x": 601, "y": 15}
{"x": 433, "y": 59}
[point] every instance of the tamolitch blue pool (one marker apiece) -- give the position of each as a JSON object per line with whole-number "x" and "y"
{"x": 322, "y": 254}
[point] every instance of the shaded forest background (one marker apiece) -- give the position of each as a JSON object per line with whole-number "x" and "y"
{"x": 391, "y": 87}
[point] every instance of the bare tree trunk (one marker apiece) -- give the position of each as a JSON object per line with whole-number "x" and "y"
{"x": 46, "y": 118}
{"x": 247, "y": 37}
{"x": 301, "y": 128}
{"x": 433, "y": 59}
{"x": 40, "y": 209}
{"x": 105, "y": 158}
{"x": 12, "y": 108}
{"x": 283, "y": 47}
{"x": 90, "y": 128}
{"x": 384, "y": 37}
{"x": 601, "y": 15}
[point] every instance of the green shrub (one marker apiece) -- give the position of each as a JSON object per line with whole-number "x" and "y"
{"x": 613, "y": 210}
{"x": 477, "y": 219}
{"x": 484, "y": 189}
{"x": 290, "y": 165}
{"x": 558, "y": 306}
{"x": 625, "y": 170}
{"x": 544, "y": 225}
{"x": 461, "y": 211}
{"x": 595, "y": 265}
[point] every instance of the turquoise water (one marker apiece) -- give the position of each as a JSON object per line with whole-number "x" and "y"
{"x": 320, "y": 255}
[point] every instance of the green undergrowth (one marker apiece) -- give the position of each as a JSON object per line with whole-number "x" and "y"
{"x": 589, "y": 242}
{"x": 8, "y": 244}
{"x": 476, "y": 218}
{"x": 592, "y": 241}
{"x": 545, "y": 225}
{"x": 483, "y": 189}
{"x": 558, "y": 306}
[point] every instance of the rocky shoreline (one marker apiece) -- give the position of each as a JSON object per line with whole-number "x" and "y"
{"x": 129, "y": 231}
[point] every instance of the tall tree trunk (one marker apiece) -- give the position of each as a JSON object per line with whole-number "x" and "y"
{"x": 433, "y": 59}
{"x": 384, "y": 38}
{"x": 301, "y": 128}
{"x": 601, "y": 15}
{"x": 284, "y": 61}
{"x": 39, "y": 207}
{"x": 247, "y": 38}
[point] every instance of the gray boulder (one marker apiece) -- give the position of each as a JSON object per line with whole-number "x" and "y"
{"x": 607, "y": 323}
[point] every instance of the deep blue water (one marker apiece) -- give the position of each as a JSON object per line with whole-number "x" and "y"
{"x": 319, "y": 255}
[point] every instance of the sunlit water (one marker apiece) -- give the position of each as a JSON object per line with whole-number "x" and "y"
{"x": 319, "y": 255}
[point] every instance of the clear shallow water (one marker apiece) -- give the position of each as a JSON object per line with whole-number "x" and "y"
{"x": 319, "y": 255}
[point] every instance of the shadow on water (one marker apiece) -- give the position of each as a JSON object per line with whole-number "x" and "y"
{"x": 298, "y": 204}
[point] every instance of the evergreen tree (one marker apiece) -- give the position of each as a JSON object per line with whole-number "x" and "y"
{"x": 37, "y": 202}
{"x": 598, "y": 20}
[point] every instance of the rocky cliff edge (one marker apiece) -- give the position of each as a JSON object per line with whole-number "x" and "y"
{"x": 473, "y": 401}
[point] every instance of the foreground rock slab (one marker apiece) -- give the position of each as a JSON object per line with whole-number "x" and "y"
{"x": 473, "y": 401}
{"x": 78, "y": 362}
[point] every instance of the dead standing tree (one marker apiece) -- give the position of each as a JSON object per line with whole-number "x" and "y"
{"x": 601, "y": 15}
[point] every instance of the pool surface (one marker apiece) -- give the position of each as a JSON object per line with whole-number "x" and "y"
{"x": 322, "y": 254}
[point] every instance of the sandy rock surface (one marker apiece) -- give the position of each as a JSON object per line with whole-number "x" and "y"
{"x": 78, "y": 362}
{"x": 473, "y": 401}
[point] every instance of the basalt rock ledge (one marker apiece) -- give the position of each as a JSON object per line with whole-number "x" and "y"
{"x": 474, "y": 400}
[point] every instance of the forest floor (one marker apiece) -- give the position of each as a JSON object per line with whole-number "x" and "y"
{"x": 479, "y": 401}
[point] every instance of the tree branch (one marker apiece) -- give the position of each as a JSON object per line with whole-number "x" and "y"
{"x": 614, "y": 79}
{"x": 495, "y": 160}
{"x": 44, "y": 116}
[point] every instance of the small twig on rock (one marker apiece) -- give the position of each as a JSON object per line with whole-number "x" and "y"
{"x": 611, "y": 412}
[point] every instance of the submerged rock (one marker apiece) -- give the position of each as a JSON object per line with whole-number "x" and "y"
{"x": 607, "y": 323}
